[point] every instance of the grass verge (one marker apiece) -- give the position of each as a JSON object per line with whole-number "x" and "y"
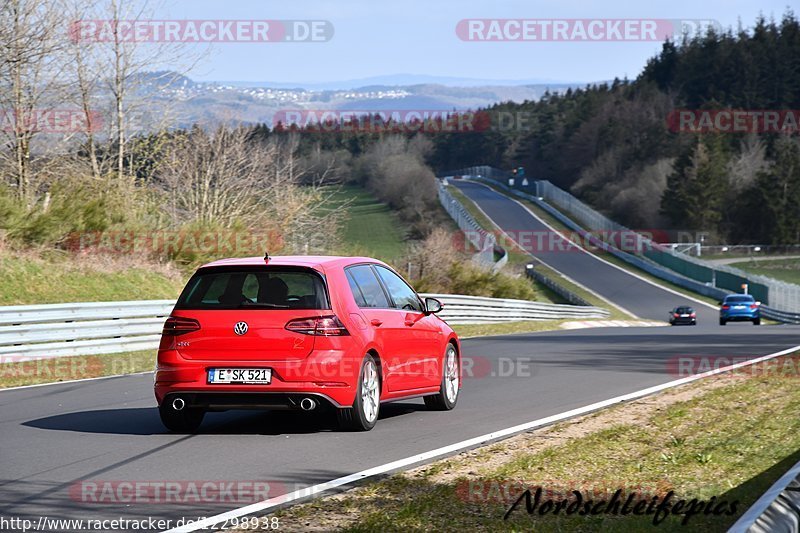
{"x": 787, "y": 270}
{"x": 17, "y": 374}
{"x": 728, "y": 437}
{"x": 370, "y": 228}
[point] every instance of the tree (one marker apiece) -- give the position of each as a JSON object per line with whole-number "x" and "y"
{"x": 695, "y": 192}
{"x": 29, "y": 73}
{"x": 779, "y": 195}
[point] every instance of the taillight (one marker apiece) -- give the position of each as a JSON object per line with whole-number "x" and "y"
{"x": 693, "y": 315}
{"x": 753, "y": 306}
{"x": 176, "y": 325}
{"x": 676, "y": 315}
{"x": 325, "y": 326}
{"x": 726, "y": 307}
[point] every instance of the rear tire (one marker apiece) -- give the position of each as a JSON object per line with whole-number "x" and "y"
{"x": 722, "y": 321}
{"x": 187, "y": 420}
{"x": 366, "y": 407}
{"x": 757, "y": 321}
{"x": 449, "y": 388}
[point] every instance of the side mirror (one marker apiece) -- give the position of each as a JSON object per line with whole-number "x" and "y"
{"x": 432, "y": 305}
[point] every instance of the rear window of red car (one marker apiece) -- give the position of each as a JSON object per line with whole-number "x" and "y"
{"x": 255, "y": 288}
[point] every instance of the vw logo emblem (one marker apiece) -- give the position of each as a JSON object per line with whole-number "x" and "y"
{"x": 240, "y": 328}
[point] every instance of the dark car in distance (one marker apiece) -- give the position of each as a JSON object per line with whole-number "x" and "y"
{"x": 682, "y": 315}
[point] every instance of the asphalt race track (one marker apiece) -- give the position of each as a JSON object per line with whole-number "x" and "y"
{"x": 57, "y": 440}
{"x": 54, "y": 437}
{"x": 635, "y": 295}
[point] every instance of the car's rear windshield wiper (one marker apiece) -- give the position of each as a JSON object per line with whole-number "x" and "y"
{"x": 263, "y": 304}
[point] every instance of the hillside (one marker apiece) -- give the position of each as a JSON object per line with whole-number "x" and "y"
{"x": 622, "y": 147}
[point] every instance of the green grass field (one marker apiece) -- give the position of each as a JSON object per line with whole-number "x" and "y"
{"x": 371, "y": 228}
{"x": 55, "y": 278}
{"x": 787, "y": 270}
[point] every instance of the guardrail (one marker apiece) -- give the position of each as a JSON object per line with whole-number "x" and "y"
{"x": 473, "y": 231}
{"x": 780, "y": 316}
{"x": 483, "y": 241}
{"x": 30, "y": 332}
{"x": 57, "y": 330}
{"x": 642, "y": 263}
{"x": 724, "y": 279}
{"x": 460, "y": 309}
{"x": 565, "y": 293}
{"x": 778, "y": 509}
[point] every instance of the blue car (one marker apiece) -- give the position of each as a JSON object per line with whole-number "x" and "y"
{"x": 739, "y": 308}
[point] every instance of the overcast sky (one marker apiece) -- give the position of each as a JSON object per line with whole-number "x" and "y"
{"x": 382, "y": 37}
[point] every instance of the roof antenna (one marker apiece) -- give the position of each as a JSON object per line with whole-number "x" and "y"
{"x": 266, "y": 256}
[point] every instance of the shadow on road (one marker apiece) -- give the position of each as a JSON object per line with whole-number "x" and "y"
{"x": 145, "y": 421}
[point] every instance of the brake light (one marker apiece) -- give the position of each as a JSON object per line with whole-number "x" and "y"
{"x": 726, "y": 307}
{"x": 176, "y": 325}
{"x": 693, "y": 315}
{"x": 325, "y": 326}
{"x": 753, "y": 306}
{"x": 676, "y": 315}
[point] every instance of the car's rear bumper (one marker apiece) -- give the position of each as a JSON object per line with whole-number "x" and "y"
{"x": 223, "y": 400}
{"x": 330, "y": 375}
{"x": 683, "y": 321}
{"x": 734, "y": 317}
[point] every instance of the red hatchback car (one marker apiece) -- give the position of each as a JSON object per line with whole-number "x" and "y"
{"x": 300, "y": 332}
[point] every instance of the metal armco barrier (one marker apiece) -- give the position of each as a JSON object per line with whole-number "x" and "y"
{"x": 484, "y": 242}
{"x": 780, "y": 298}
{"x": 565, "y": 293}
{"x": 460, "y": 309}
{"x": 57, "y": 330}
{"x": 29, "y": 332}
{"x": 778, "y": 509}
{"x": 474, "y": 233}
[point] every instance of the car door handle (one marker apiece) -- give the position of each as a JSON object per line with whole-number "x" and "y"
{"x": 375, "y": 322}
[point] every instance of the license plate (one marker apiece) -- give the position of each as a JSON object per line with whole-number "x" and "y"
{"x": 684, "y": 316}
{"x": 738, "y": 307}
{"x": 248, "y": 376}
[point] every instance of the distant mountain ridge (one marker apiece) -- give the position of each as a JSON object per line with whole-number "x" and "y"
{"x": 399, "y": 80}
{"x": 186, "y": 101}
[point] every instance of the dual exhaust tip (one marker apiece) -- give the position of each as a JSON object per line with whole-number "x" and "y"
{"x": 306, "y": 404}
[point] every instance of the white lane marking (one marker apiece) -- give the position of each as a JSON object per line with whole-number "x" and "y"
{"x": 653, "y": 283}
{"x": 74, "y": 381}
{"x": 272, "y": 503}
{"x": 582, "y": 324}
{"x": 510, "y": 238}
